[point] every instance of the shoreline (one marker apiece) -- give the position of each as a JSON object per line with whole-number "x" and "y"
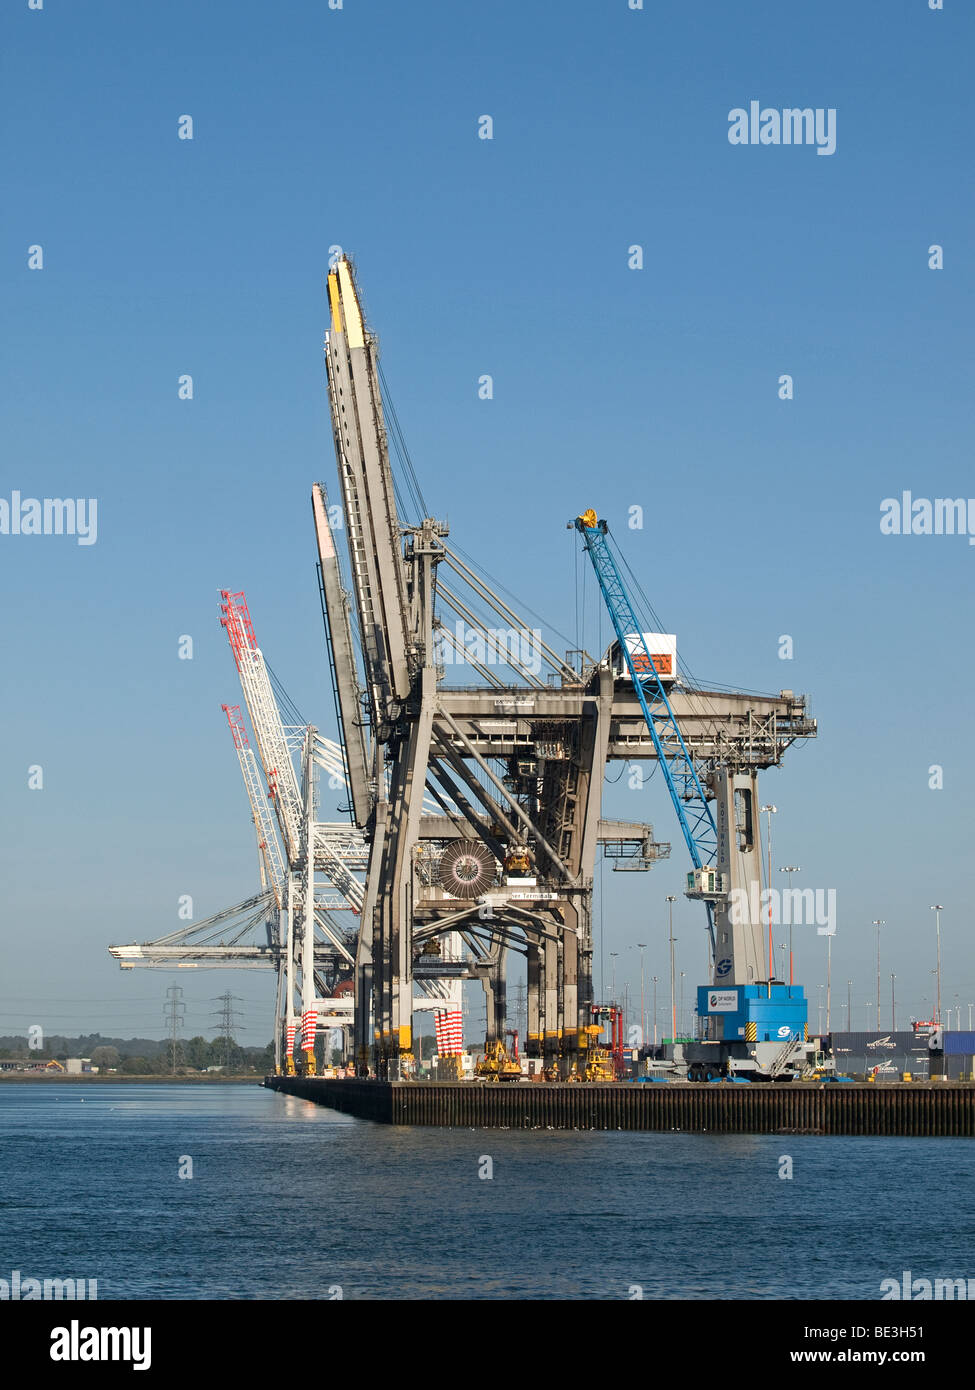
{"x": 20, "y": 1077}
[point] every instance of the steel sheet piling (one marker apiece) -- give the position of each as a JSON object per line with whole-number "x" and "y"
{"x": 943, "y": 1108}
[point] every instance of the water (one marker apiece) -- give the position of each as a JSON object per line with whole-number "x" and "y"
{"x": 288, "y": 1200}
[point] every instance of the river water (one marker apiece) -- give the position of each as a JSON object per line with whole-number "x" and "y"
{"x": 288, "y": 1200}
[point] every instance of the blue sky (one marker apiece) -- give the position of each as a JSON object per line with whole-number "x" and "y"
{"x": 612, "y": 387}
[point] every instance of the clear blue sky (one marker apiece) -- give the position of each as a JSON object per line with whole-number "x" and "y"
{"x": 613, "y": 387}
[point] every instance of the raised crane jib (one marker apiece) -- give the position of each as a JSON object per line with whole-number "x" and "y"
{"x": 372, "y": 524}
{"x": 339, "y": 636}
{"x": 686, "y": 793}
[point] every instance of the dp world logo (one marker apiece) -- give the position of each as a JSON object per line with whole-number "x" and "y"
{"x": 723, "y": 967}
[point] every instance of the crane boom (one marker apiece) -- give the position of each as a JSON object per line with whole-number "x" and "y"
{"x": 339, "y": 635}
{"x": 750, "y": 1024}
{"x": 267, "y": 838}
{"x": 272, "y": 743}
{"x": 372, "y": 522}
{"x": 686, "y": 793}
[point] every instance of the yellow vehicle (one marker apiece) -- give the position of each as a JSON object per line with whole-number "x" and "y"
{"x": 598, "y": 1064}
{"x": 496, "y": 1065}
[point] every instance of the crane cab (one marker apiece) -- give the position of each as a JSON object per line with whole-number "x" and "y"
{"x": 659, "y": 647}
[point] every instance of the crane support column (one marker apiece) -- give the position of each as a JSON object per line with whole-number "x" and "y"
{"x": 309, "y": 1014}
{"x": 739, "y": 957}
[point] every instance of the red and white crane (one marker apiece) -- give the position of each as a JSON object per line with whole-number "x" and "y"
{"x": 273, "y": 873}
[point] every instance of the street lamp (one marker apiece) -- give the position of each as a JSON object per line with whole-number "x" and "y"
{"x": 642, "y": 946}
{"x": 683, "y": 1026}
{"x": 612, "y": 988}
{"x": 829, "y": 978}
{"x": 893, "y": 1004}
{"x": 878, "y": 922}
{"x": 783, "y": 948}
{"x": 790, "y": 869}
{"x": 655, "y": 979}
{"x": 849, "y": 1005}
{"x": 770, "y": 811}
{"x": 937, "y": 910}
{"x": 671, "y": 899}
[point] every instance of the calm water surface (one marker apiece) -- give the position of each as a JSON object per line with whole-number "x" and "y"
{"x": 288, "y": 1200}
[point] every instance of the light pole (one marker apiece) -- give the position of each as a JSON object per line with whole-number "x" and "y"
{"x": 878, "y": 922}
{"x": 790, "y": 869}
{"x": 655, "y": 979}
{"x": 937, "y": 910}
{"x": 671, "y": 899}
{"x": 683, "y": 1026}
{"x": 642, "y": 945}
{"x": 783, "y": 948}
{"x": 770, "y": 811}
{"x": 849, "y": 1006}
{"x": 820, "y": 988}
{"x": 893, "y": 1004}
{"x": 829, "y": 977}
{"x": 612, "y": 988}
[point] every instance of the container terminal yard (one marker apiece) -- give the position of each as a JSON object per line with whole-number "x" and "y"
{"x": 474, "y": 826}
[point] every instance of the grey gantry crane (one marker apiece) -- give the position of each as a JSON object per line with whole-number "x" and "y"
{"x": 514, "y": 765}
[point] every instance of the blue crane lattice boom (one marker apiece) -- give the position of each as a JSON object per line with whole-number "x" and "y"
{"x": 683, "y": 783}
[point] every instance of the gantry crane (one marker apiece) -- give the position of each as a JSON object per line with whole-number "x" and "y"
{"x": 752, "y": 1024}
{"x": 307, "y": 843}
{"x": 516, "y": 765}
{"x": 508, "y": 865}
{"x": 273, "y": 874}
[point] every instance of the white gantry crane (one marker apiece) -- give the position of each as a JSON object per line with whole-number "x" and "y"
{"x": 272, "y": 861}
{"x": 310, "y": 846}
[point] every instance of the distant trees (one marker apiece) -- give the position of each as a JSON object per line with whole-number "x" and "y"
{"x": 144, "y": 1056}
{"x": 197, "y": 1053}
{"x": 105, "y": 1057}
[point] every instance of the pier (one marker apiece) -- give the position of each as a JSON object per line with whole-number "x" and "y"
{"x": 903, "y": 1109}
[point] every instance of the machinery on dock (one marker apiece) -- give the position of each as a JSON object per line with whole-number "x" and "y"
{"x": 602, "y": 1063}
{"x": 751, "y": 1024}
{"x": 497, "y": 1064}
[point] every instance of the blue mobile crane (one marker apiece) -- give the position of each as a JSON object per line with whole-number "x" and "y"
{"x": 753, "y": 1026}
